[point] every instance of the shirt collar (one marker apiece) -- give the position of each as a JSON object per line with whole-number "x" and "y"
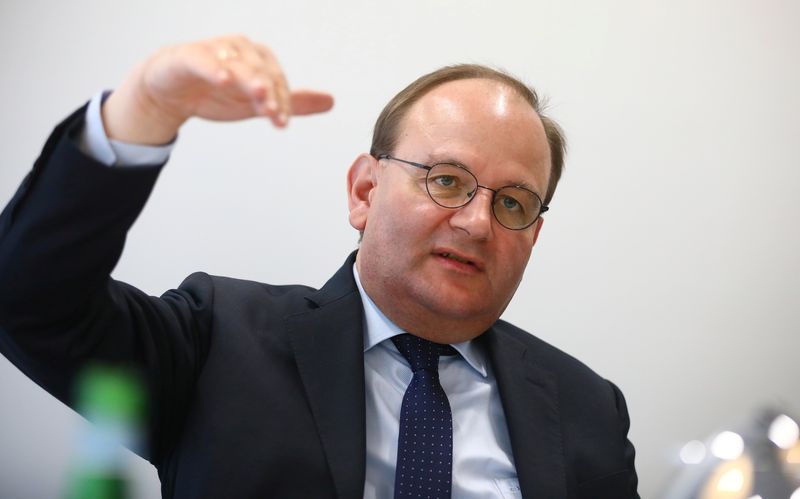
{"x": 378, "y": 328}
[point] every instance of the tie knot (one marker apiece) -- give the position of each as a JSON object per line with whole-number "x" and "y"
{"x": 421, "y": 353}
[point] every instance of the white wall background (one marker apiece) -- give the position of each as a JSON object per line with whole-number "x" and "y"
{"x": 670, "y": 259}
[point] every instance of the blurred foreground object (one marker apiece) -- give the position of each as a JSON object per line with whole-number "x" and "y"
{"x": 761, "y": 460}
{"x": 112, "y": 400}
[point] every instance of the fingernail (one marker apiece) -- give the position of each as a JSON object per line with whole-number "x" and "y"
{"x": 284, "y": 118}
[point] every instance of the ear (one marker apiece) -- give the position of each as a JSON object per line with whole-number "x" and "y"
{"x": 361, "y": 182}
{"x": 536, "y": 230}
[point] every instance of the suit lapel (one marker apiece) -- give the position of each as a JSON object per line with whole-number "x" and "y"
{"x": 328, "y": 346}
{"x": 529, "y": 395}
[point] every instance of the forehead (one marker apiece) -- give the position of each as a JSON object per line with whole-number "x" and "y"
{"x": 483, "y": 124}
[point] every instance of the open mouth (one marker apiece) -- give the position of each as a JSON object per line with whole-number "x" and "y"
{"x": 459, "y": 261}
{"x": 456, "y": 258}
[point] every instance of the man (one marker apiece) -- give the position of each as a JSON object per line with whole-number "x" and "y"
{"x": 397, "y": 378}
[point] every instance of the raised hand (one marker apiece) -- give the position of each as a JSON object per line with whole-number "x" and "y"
{"x": 227, "y": 78}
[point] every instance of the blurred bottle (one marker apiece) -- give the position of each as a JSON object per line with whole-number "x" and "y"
{"x": 112, "y": 399}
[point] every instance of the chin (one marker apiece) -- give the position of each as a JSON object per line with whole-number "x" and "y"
{"x": 464, "y": 310}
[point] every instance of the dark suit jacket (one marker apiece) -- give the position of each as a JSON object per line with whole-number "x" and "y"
{"x": 257, "y": 390}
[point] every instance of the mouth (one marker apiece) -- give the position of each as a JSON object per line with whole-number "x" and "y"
{"x": 465, "y": 262}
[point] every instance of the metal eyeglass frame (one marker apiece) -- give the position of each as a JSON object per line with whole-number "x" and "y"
{"x": 428, "y": 168}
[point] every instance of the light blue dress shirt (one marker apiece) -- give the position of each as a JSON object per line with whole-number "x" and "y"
{"x": 483, "y": 465}
{"x": 94, "y": 142}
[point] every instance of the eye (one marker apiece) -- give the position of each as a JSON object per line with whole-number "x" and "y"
{"x": 450, "y": 185}
{"x": 445, "y": 181}
{"x": 510, "y": 203}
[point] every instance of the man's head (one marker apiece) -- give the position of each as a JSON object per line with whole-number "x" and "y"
{"x": 440, "y": 273}
{"x": 387, "y": 127}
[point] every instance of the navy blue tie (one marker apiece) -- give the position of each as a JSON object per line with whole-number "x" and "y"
{"x": 425, "y": 443}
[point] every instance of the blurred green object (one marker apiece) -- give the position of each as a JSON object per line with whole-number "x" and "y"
{"x": 110, "y": 393}
{"x": 113, "y": 400}
{"x": 85, "y": 485}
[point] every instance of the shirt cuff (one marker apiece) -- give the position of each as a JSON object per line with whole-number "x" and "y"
{"x": 94, "y": 142}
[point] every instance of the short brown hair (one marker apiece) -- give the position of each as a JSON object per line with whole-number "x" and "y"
{"x": 384, "y": 137}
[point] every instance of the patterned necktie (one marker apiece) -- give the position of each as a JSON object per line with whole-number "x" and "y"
{"x": 425, "y": 443}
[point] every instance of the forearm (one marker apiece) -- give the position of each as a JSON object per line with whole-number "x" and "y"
{"x": 65, "y": 227}
{"x": 60, "y": 238}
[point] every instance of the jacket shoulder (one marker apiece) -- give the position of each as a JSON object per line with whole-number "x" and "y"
{"x": 205, "y": 289}
{"x": 547, "y": 355}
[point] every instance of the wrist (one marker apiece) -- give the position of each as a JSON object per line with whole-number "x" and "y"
{"x": 131, "y": 115}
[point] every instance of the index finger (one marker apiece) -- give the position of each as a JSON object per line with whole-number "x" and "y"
{"x": 306, "y": 102}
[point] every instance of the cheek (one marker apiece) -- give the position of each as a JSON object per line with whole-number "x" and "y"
{"x": 391, "y": 225}
{"x": 411, "y": 217}
{"x": 514, "y": 259}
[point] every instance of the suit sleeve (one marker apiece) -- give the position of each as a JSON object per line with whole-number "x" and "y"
{"x": 60, "y": 237}
{"x": 616, "y": 457}
{"x": 631, "y": 480}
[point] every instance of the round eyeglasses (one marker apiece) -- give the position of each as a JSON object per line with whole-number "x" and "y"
{"x": 452, "y": 186}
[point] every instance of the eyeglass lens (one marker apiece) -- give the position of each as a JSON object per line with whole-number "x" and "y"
{"x": 452, "y": 187}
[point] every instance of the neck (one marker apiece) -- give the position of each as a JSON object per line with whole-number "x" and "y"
{"x": 421, "y": 322}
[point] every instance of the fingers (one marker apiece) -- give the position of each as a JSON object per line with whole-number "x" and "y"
{"x": 255, "y": 71}
{"x": 280, "y": 85}
{"x": 228, "y": 78}
{"x": 310, "y": 102}
{"x": 248, "y": 83}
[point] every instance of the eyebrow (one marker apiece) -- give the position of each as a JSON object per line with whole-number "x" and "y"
{"x": 433, "y": 160}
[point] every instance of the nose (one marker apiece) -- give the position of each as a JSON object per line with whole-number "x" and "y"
{"x": 475, "y": 218}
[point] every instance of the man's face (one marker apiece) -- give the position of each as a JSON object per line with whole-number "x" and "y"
{"x": 448, "y": 274}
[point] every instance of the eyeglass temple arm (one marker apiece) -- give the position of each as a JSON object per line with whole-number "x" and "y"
{"x": 418, "y": 165}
